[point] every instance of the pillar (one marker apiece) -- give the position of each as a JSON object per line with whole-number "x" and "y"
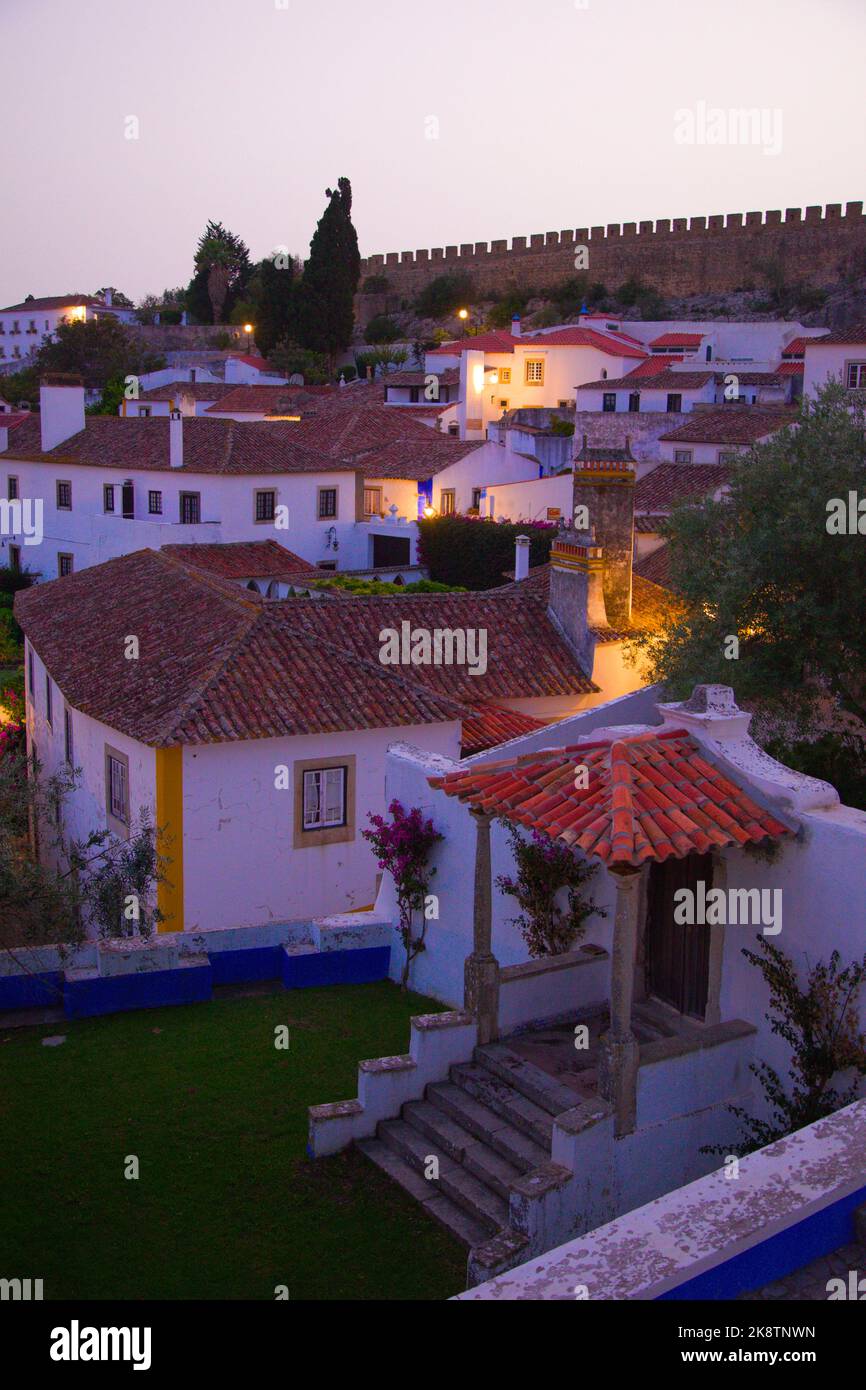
{"x": 481, "y": 969}
{"x": 618, "y": 1047}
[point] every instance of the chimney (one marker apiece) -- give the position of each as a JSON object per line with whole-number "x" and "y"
{"x": 516, "y": 328}
{"x": 576, "y": 593}
{"x": 186, "y": 402}
{"x": 61, "y": 408}
{"x": 108, "y": 296}
{"x": 604, "y": 483}
{"x": 521, "y": 561}
{"x": 175, "y": 439}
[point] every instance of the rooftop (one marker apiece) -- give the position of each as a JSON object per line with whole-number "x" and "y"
{"x": 678, "y": 340}
{"x": 669, "y": 483}
{"x": 243, "y": 559}
{"x": 650, "y": 796}
{"x": 733, "y": 424}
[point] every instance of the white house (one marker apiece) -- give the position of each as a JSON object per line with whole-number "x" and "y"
{"x": 24, "y": 326}
{"x": 839, "y": 357}
{"x": 719, "y": 436}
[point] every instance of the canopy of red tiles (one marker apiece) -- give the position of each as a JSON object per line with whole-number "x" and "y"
{"x": 490, "y": 725}
{"x": 648, "y": 797}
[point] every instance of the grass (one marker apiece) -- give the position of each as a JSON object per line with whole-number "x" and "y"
{"x": 227, "y": 1205}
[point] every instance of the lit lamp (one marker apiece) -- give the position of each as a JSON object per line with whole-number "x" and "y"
{"x": 463, "y": 315}
{"x": 429, "y": 511}
{"x": 248, "y": 329}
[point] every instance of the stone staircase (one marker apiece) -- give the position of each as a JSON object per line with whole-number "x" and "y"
{"x": 488, "y": 1127}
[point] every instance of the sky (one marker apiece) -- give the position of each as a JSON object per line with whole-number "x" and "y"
{"x": 456, "y": 121}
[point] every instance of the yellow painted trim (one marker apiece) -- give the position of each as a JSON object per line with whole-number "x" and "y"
{"x": 169, "y": 820}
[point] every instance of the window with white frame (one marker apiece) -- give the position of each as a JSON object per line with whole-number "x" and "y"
{"x": 117, "y": 786}
{"x": 856, "y": 375}
{"x": 324, "y": 798}
{"x": 372, "y": 501}
{"x": 447, "y": 501}
{"x": 682, "y": 455}
{"x": 154, "y": 503}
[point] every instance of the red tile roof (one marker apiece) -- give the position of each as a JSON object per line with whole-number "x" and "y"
{"x": 661, "y": 380}
{"x": 645, "y": 600}
{"x": 218, "y": 663}
{"x": 11, "y": 419}
{"x": 655, "y": 567}
{"x": 497, "y": 341}
{"x": 243, "y": 559}
{"x": 651, "y": 796}
{"x": 491, "y": 725}
{"x": 669, "y": 483}
{"x": 587, "y": 337}
{"x": 199, "y": 390}
{"x": 268, "y": 400}
{"x": 651, "y": 367}
{"x": 792, "y": 368}
{"x": 853, "y": 336}
{"x": 450, "y": 376}
{"x": 260, "y": 364}
{"x": 675, "y": 340}
{"x": 734, "y": 424}
{"x": 795, "y": 348}
{"x": 57, "y": 301}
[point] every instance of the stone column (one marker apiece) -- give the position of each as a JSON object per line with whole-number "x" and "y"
{"x": 481, "y": 969}
{"x": 618, "y": 1047}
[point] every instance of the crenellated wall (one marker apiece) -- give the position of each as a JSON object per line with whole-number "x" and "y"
{"x": 701, "y": 255}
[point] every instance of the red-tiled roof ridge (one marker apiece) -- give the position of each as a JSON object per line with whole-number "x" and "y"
{"x": 264, "y": 559}
{"x": 652, "y": 795}
{"x": 490, "y": 724}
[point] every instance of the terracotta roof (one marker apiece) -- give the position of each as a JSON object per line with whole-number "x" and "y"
{"x": 260, "y": 364}
{"x": 666, "y": 380}
{"x": 497, "y": 341}
{"x": 57, "y": 301}
{"x": 652, "y": 366}
{"x": 648, "y": 523}
{"x": 734, "y": 424}
{"x": 199, "y": 390}
{"x": 586, "y": 337}
{"x": 449, "y": 377}
{"x": 218, "y": 663}
{"x": 11, "y": 419}
{"x": 243, "y": 559}
{"x": 491, "y": 725}
{"x": 855, "y": 335}
{"x": 795, "y": 348}
{"x": 753, "y": 378}
{"x": 793, "y": 368}
{"x": 265, "y": 400}
{"x": 415, "y": 459}
{"x": 670, "y": 483}
{"x": 676, "y": 340}
{"x": 655, "y": 567}
{"x": 651, "y": 797}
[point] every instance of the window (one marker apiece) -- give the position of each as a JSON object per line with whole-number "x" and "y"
{"x": 476, "y": 497}
{"x": 326, "y": 565}
{"x": 534, "y": 371}
{"x": 727, "y": 456}
{"x": 16, "y": 351}
{"x": 675, "y": 403}
{"x": 327, "y": 503}
{"x": 447, "y": 502}
{"x": 454, "y": 429}
{"x": 32, "y": 326}
{"x": 64, "y": 565}
{"x": 31, "y": 674}
{"x": 154, "y": 503}
{"x": 15, "y": 557}
{"x": 504, "y": 376}
{"x": 49, "y": 710}
{"x": 144, "y": 412}
{"x": 16, "y": 328}
{"x": 64, "y": 497}
{"x": 190, "y": 508}
{"x": 67, "y": 734}
{"x": 108, "y": 497}
{"x": 608, "y": 401}
{"x": 117, "y": 787}
{"x": 682, "y": 455}
{"x": 12, "y": 489}
{"x": 372, "y": 501}
{"x": 324, "y": 798}
{"x": 266, "y": 504}
{"x": 634, "y": 402}
{"x": 856, "y": 376}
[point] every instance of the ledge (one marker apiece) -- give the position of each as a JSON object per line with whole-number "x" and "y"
{"x": 716, "y": 1036}
{"x": 335, "y": 1110}
{"x": 431, "y": 1023}
{"x": 377, "y": 1066}
{"x": 585, "y": 955}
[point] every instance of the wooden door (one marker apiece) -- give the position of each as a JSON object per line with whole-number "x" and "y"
{"x": 677, "y": 954}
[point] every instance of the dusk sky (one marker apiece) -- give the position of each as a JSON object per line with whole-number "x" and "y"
{"x": 550, "y": 115}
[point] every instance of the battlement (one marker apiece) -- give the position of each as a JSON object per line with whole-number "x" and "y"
{"x": 678, "y": 255}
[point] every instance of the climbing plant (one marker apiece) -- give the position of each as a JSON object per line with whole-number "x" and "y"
{"x": 544, "y": 866}
{"x": 402, "y": 847}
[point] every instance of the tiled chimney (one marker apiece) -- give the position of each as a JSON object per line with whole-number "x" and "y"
{"x": 604, "y": 482}
{"x": 576, "y": 593}
{"x": 521, "y": 560}
{"x": 175, "y": 439}
{"x": 61, "y": 408}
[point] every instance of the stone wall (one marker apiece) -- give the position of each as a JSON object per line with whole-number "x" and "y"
{"x": 701, "y": 255}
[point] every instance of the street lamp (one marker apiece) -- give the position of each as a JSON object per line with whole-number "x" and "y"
{"x": 463, "y": 315}
{"x": 248, "y": 328}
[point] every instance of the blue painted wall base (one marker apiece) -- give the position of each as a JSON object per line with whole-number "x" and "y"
{"x": 154, "y": 989}
{"x": 44, "y": 990}
{"x": 358, "y": 967}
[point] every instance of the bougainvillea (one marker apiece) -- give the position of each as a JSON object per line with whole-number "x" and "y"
{"x": 402, "y": 847}
{"x": 12, "y": 736}
{"x": 544, "y": 866}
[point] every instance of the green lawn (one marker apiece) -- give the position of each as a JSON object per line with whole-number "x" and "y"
{"x": 227, "y": 1205}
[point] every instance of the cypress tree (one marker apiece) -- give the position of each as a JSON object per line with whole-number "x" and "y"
{"x": 331, "y": 275}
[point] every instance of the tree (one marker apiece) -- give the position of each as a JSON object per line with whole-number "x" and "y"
{"x": 275, "y": 307}
{"x": 326, "y": 312}
{"x": 764, "y": 577}
{"x": 225, "y": 262}
{"x": 96, "y": 350}
{"x": 291, "y": 360}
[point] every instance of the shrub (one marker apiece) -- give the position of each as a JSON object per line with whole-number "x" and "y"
{"x": 545, "y": 866}
{"x": 562, "y": 428}
{"x": 402, "y": 848}
{"x": 475, "y": 552}
{"x": 445, "y": 295}
{"x": 382, "y": 329}
{"x": 503, "y": 311}
{"x": 839, "y": 759}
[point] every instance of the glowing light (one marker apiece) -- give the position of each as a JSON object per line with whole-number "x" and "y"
{"x": 463, "y": 314}
{"x": 429, "y": 511}
{"x": 478, "y": 378}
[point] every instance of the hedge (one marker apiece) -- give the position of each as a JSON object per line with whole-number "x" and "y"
{"x": 475, "y": 552}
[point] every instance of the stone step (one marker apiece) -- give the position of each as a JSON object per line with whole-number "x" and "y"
{"x": 471, "y": 1233}
{"x": 538, "y": 1086}
{"x": 502, "y": 1097}
{"x": 448, "y": 1134}
{"x": 481, "y": 1202}
{"x": 485, "y": 1124}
